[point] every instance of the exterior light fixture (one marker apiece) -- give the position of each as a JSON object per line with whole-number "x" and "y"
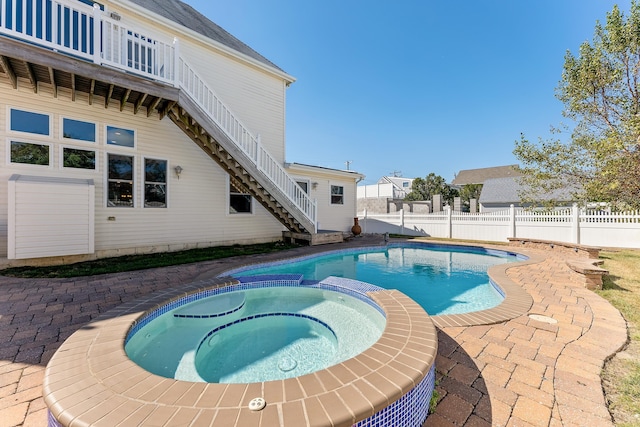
{"x": 314, "y": 185}
{"x": 178, "y": 170}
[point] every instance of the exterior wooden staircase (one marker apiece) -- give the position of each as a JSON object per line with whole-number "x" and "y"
{"x": 165, "y": 84}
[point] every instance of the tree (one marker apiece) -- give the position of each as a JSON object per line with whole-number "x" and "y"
{"x": 600, "y": 90}
{"x": 468, "y": 192}
{"x": 425, "y": 189}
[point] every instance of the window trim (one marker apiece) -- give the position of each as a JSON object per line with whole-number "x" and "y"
{"x": 133, "y": 179}
{"x": 331, "y": 195}
{"x": 68, "y": 168}
{"x": 78, "y": 141}
{"x": 10, "y": 131}
{"x": 144, "y": 182}
{"x": 116, "y": 146}
{"x": 229, "y": 193}
{"x": 9, "y": 161}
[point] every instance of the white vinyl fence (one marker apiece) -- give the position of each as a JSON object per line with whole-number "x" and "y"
{"x": 591, "y": 228}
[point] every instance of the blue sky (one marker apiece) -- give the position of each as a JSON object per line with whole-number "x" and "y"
{"x": 415, "y": 86}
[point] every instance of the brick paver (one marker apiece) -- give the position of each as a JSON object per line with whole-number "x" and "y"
{"x": 522, "y": 372}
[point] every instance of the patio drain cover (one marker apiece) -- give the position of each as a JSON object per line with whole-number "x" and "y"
{"x": 541, "y": 318}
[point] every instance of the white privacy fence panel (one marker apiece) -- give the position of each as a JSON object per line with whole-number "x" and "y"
{"x": 570, "y": 226}
{"x": 610, "y": 229}
{"x": 479, "y": 227}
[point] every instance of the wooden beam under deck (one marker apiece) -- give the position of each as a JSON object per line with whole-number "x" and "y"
{"x": 8, "y": 70}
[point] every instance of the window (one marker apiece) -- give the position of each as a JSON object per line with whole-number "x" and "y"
{"x": 304, "y": 185}
{"x": 25, "y": 121}
{"x": 405, "y": 184}
{"x": 337, "y": 195}
{"x": 31, "y": 154}
{"x": 78, "y": 159}
{"x": 239, "y": 201}
{"x": 120, "y": 181}
{"x": 120, "y": 137}
{"x": 76, "y": 129}
{"x": 155, "y": 183}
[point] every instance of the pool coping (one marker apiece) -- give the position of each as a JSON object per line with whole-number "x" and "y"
{"x": 91, "y": 381}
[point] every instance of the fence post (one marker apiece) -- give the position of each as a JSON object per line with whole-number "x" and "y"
{"x": 364, "y": 217}
{"x": 401, "y": 221}
{"x": 449, "y": 222}
{"x": 512, "y": 221}
{"x": 575, "y": 223}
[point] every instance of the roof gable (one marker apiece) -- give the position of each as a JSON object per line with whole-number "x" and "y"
{"x": 185, "y": 15}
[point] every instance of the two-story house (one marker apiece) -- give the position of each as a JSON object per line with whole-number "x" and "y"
{"x": 141, "y": 126}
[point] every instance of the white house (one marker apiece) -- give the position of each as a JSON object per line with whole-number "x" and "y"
{"x": 141, "y": 126}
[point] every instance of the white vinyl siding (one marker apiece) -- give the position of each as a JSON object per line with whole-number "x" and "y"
{"x": 197, "y": 213}
{"x": 330, "y": 216}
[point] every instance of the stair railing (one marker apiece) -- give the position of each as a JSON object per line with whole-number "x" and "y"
{"x": 191, "y": 83}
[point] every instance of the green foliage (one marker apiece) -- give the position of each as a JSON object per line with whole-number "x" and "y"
{"x": 425, "y": 189}
{"x": 468, "y": 192}
{"x": 600, "y": 90}
{"x": 33, "y": 154}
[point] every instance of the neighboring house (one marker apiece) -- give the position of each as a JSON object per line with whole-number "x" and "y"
{"x": 500, "y": 193}
{"x": 394, "y": 187}
{"x": 387, "y": 196}
{"x": 141, "y": 126}
{"x": 479, "y": 176}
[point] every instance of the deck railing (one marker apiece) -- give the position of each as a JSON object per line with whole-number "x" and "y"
{"x": 85, "y": 31}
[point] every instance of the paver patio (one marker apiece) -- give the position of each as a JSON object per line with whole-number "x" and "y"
{"x": 523, "y": 372}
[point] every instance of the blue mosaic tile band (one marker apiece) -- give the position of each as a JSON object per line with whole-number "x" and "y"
{"x": 259, "y": 316}
{"x": 411, "y": 410}
{"x": 209, "y": 316}
{"x": 51, "y": 421}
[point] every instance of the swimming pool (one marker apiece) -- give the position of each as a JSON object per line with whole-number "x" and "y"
{"x": 443, "y": 279}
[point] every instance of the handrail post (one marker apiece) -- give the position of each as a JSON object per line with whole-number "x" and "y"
{"x": 97, "y": 34}
{"x": 175, "y": 59}
{"x": 258, "y": 158}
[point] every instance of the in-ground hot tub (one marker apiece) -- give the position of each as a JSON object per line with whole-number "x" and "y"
{"x": 257, "y": 333}
{"x": 91, "y": 381}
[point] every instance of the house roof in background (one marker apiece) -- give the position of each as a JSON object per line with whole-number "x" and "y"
{"x": 505, "y": 191}
{"x": 479, "y": 176}
{"x": 185, "y": 15}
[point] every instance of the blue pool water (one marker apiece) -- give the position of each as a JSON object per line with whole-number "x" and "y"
{"x": 442, "y": 279}
{"x": 255, "y": 333}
